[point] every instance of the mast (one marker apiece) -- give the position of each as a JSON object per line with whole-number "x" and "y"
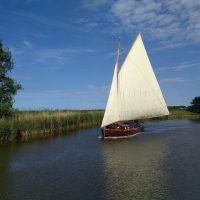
{"x": 118, "y": 54}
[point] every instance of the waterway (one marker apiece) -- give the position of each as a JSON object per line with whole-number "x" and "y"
{"x": 161, "y": 163}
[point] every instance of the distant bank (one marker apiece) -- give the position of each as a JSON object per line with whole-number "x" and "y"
{"x": 24, "y": 123}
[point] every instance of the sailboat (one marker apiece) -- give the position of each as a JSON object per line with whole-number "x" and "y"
{"x": 134, "y": 94}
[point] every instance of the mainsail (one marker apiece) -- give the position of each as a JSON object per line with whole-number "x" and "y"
{"x": 135, "y": 92}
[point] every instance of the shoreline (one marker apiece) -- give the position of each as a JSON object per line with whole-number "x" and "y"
{"x": 24, "y": 123}
{"x": 47, "y": 122}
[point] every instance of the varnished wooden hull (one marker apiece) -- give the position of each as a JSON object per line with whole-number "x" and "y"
{"x": 117, "y": 133}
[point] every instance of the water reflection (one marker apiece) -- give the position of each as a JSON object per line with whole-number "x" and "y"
{"x": 61, "y": 168}
{"x": 156, "y": 164}
{"x": 132, "y": 168}
{"x": 6, "y": 178}
{"x": 161, "y": 163}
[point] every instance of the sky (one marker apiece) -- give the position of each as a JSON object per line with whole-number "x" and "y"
{"x": 65, "y": 51}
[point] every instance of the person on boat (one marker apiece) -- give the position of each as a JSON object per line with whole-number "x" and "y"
{"x": 136, "y": 122}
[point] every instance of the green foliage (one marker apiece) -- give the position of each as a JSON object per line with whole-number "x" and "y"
{"x": 5, "y": 130}
{"x": 195, "y": 107}
{"x": 181, "y": 113}
{"x": 43, "y": 121}
{"x": 8, "y": 87}
{"x": 176, "y": 108}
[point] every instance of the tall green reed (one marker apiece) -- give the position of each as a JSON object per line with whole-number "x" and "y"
{"x": 30, "y": 121}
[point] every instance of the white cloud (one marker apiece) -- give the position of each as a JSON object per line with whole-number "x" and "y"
{"x": 85, "y": 24}
{"x": 16, "y": 51}
{"x": 94, "y": 4}
{"x": 173, "y": 80}
{"x": 43, "y": 20}
{"x": 91, "y": 25}
{"x": 175, "y": 22}
{"x": 152, "y": 5}
{"x": 21, "y": 77}
{"x": 161, "y": 69}
{"x": 92, "y": 87}
{"x": 38, "y": 18}
{"x": 91, "y": 90}
{"x": 58, "y": 54}
{"x": 185, "y": 65}
{"x": 81, "y": 20}
{"x": 139, "y": 10}
{"x": 62, "y": 54}
{"x": 111, "y": 55}
{"x": 180, "y": 67}
{"x": 27, "y": 44}
{"x": 197, "y": 26}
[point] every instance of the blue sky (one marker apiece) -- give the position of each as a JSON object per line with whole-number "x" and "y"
{"x": 65, "y": 51}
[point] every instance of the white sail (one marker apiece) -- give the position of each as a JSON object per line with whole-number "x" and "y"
{"x": 138, "y": 93}
{"x": 111, "y": 112}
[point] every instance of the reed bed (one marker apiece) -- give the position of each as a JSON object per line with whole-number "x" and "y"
{"x": 43, "y": 121}
{"x": 182, "y": 114}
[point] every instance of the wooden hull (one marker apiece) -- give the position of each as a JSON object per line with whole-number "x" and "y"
{"x": 121, "y": 131}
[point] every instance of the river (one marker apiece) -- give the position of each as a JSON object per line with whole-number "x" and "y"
{"x": 161, "y": 163}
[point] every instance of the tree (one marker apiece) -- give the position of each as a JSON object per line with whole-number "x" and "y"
{"x": 176, "y": 107}
{"x": 8, "y": 87}
{"x": 195, "y": 107}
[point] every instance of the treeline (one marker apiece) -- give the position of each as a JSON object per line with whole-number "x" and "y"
{"x": 177, "y": 108}
{"x": 194, "y": 107}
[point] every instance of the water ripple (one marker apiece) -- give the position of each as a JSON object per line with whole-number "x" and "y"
{"x": 161, "y": 163}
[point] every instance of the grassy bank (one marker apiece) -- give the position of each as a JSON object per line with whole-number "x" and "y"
{"x": 43, "y": 121}
{"x": 182, "y": 114}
